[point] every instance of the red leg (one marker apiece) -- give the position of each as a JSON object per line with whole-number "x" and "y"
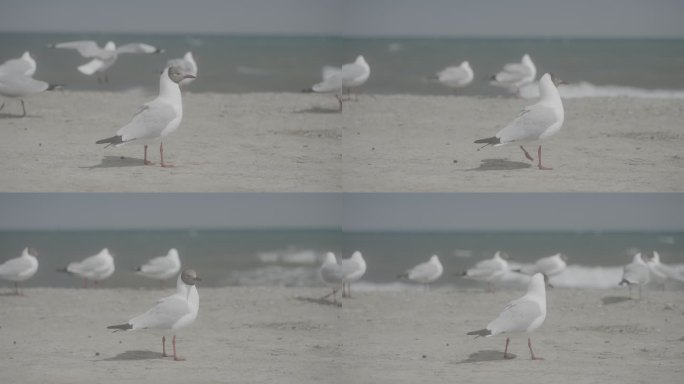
{"x": 533, "y": 357}
{"x": 539, "y": 165}
{"x": 526, "y": 154}
{"x": 164, "y": 347}
{"x": 161, "y": 153}
{"x": 506, "y": 355}
{"x": 145, "y": 158}
{"x": 175, "y": 356}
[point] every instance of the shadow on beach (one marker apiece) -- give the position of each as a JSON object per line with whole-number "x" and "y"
{"x": 608, "y": 300}
{"x": 486, "y": 355}
{"x": 118, "y": 161}
{"x": 317, "y": 110}
{"x": 135, "y": 355}
{"x": 500, "y": 165}
{"x": 319, "y": 301}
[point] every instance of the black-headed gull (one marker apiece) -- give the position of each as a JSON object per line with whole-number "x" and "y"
{"x": 523, "y": 315}
{"x": 25, "y": 65}
{"x": 170, "y": 313}
{"x": 355, "y": 74}
{"x": 161, "y": 267}
{"x": 105, "y": 57}
{"x": 187, "y": 65}
{"x": 96, "y": 268}
{"x": 457, "y": 76}
{"x": 155, "y": 120}
{"x": 535, "y": 122}
{"x": 353, "y": 269}
{"x": 20, "y": 268}
{"x": 332, "y": 275}
{"x": 332, "y": 83}
{"x": 425, "y": 273}
{"x": 636, "y": 273}
{"x": 489, "y": 270}
{"x": 515, "y": 75}
{"x": 549, "y": 266}
{"x": 660, "y": 272}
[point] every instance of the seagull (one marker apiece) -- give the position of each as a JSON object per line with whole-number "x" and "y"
{"x": 16, "y": 85}
{"x": 187, "y": 65}
{"x": 550, "y": 266}
{"x": 162, "y": 267}
{"x": 515, "y": 75}
{"x": 425, "y": 273}
{"x": 635, "y": 273}
{"x": 456, "y": 77}
{"x": 103, "y": 58}
{"x": 661, "y": 272}
{"x": 20, "y": 268}
{"x": 489, "y": 270}
{"x": 25, "y": 65}
{"x": 355, "y": 74}
{"x": 332, "y": 275}
{"x": 97, "y": 268}
{"x": 170, "y": 313}
{"x": 156, "y": 119}
{"x": 535, "y": 122}
{"x": 332, "y": 83}
{"x": 523, "y": 315}
{"x": 353, "y": 269}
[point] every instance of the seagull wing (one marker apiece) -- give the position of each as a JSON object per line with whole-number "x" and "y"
{"x": 352, "y": 71}
{"x": 332, "y": 273}
{"x": 423, "y": 271}
{"x": 14, "y": 267}
{"x": 137, "y": 48}
{"x": 529, "y": 125}
{"x": 148, "y": 122}
{"x": 87, "y": 48}
{"x": 516, "y": 316}
{"x": 16, "y": 85}
{"x": 164, "y": 315}
{"x": 156, "y": 265}
{"x": 16, "y": 66}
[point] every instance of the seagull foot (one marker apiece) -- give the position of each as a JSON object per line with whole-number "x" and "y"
{"x": 147, "y": 162}
{"x": 543, "y": 168}
{"x": 508, "y": 356}
{"x": 164, "y": 165}
{"x": 178, "y": 358}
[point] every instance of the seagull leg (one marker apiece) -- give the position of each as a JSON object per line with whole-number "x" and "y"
{"x": 175, "y": 356}
{"x": 539, "y": 165}
{"x": 2, "y": 106}
{"x": 145, "y": 158}
{"x": 339, "y": 100}
{"x": 106, "y": 79}
{"x": 161, "y": 154}
{"x": 164, "y": 347}
{"x": 506, "y": 355}
{"x": 526, "y": 154}
{"x": 532, "y": 356}
{"x": 23, "y": 108}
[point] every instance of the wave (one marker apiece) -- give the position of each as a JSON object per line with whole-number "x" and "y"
{"x": 585, "y": 89}
{"x": 290, "y": 256}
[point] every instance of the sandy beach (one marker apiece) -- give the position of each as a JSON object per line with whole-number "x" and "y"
{"x": 263, "y": 335}
{"x": 383, "y": 143}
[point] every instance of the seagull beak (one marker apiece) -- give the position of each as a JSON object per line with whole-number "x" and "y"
{"x": 189, "y": 77}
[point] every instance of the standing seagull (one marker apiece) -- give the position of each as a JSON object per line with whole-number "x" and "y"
{"x": 170, "y": 313}
{"x": 332, "y": 83}
{"x": 187, "y": 65}
{"x": 661, "y": 272}
{"x": 515, "y": 75}
{"x": 16, "y": 85}
{"x": 332, "y": 275}
{"x": 156, "y": 119}
{"x": 25, "y": 65}
{"x": 20, "y": 268}
{"x": 161, "y": 268}
{"x": 103, "y": 58}
{"x": 490, "y": 270}
{"x": 353, "y": 269}
{"x": 549, "y": 266}
{"x": 523, "y": 315}
{"x": 635, "y": 273}
{"x": 456, "y": 77}
{"x": 355, "y": 74}
{"x": 535, "y": 122}
{"x": 97, "y": 268}
{"x": 425, "y": 273}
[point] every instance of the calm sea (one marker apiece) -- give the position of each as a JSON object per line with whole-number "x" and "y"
{"x": 231, "y": 64}
{"x": 291, "y": 258}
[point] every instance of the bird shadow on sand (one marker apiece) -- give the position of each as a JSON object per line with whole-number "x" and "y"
{"x": 608, "y": 300}
{"x": 486, "y": 355}
{"x": 118, "y": 162}
{"x": 318, "y": 110}
{"x": 135, "y": 355}
{"x": 500, "y": 165}
{"x": 13, "y": 116}
{"x": 319, "y": 301}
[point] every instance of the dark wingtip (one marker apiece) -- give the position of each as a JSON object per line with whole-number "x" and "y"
{"x": 120, "y": 327}
{"x": 52, "y": 87}
{"x": 307, "y": 90}
{"x": 159, "y": 50}
{"x": 481, "y": 332}
{"x": 62, "y": 270}
{"x": 110, "y": 140}
{"x": 490, "y": 140}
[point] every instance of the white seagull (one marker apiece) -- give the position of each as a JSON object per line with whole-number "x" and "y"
{"x": 25, "y": 65}
{"x": 162, "y": 267}
{"x": 103, "y": 58}
{"x": 535, "y": 122}
{"x": 170, "y": 313}
{"x": 523, "y": 315}
{"x": 662, "y": 272}
{"x": 457, "y": 76}
{"x": 187, "y": 65}
{"x": 96, "y": 268}
{"x": 19, "y": 86}
{"x": 332, "y": 83}
{"x": 489, "y": 270}
{"x": 549, "y": 266}
{"x": 636, "y": 273}
{"x": 355, "y": 74}
{"x": 155, "y": 120}
{"x": 515, "y": 75}
{"x": 20, "y": 268}
{"x": 425, "y": 273}
{"x": 332, "y": 275}
{"x": 353, "y": 269}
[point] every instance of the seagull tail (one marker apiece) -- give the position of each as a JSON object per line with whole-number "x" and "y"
{"x": 114, "y": 140}
{"x": 52, "y": 87}
{"x": 481, "y": 332}
{"x": 120, "y": 327}
{"x": 307, "y": 90}
{"x": 490, "y": 140}
{"x": 63, "y": 270}
{"x": 403, "y": 275}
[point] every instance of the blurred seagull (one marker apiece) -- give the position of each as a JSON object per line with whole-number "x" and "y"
{"x": 489, "y": 270}
{"x": 515, "y": 75}
{"x": 635, "y": 273}
{"x": 550, "y": 266}
{"x": 20, "y": 268}
{"x": 18, "y": 86}
{"x": 187, "y": 65}
{"x": 25, "y": 65}
{"x": 96, "y": 268}
{"x": 457, "y": 76}
{"x": 161, "y": 268}
{"x": 332, "y": 83}
{"x": 661, "y": 272}
{"x": 353, "y": 269}
{"x": 332, "y": 275}
{"x": 425, "y": 273}
{"x": 355, "y": 74}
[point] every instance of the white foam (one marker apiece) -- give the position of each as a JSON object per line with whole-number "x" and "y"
{"x": 585, "y": 89}
{"x": 290, "y": 256}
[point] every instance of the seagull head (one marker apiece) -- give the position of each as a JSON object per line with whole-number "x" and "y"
{"x": 563, "y": 257}
{"x": 110, "y": 46}
{"x": 32, "y": 251}
{"x": 189, "y": 277}
{"x": 556, "y": 80}
{"x": 177, "y": 75}
{"x": 502, "y": 255}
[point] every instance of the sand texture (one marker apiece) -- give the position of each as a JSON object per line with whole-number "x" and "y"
{"x": 276, "y": 335}
{"x": 298, "y": 143}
